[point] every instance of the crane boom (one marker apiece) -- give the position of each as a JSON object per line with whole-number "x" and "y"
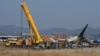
{"x": 31, "y": 22}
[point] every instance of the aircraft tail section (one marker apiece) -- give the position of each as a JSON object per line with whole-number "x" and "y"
{"x": 82, "y": 33}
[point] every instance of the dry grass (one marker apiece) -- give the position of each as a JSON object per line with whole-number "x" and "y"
{"x": 61, "y": 52}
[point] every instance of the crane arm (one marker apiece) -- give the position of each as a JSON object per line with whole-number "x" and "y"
{"x": 31, "y": 22}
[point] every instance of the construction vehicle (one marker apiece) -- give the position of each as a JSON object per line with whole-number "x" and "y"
{"x": 37, "y": 39}
{"x": 13, "y": 41}
{"x": 33, "y": 41}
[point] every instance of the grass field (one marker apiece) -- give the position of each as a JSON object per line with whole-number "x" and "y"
{"x": 57, "y": 52}
{"x": 60, "y": 52}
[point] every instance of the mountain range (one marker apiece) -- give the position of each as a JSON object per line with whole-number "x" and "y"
{"x": 11, "y": 29}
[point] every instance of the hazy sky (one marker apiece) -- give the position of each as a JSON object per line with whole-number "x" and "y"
{"x": 47, "y": 14}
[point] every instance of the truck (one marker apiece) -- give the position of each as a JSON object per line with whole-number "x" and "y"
{"x": 35, "y": 40}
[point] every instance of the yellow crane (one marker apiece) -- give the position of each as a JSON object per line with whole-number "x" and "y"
{"x": 34, "y": 41}
{"x": 37, "y": 39}
{"x": 31, "y": 22}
